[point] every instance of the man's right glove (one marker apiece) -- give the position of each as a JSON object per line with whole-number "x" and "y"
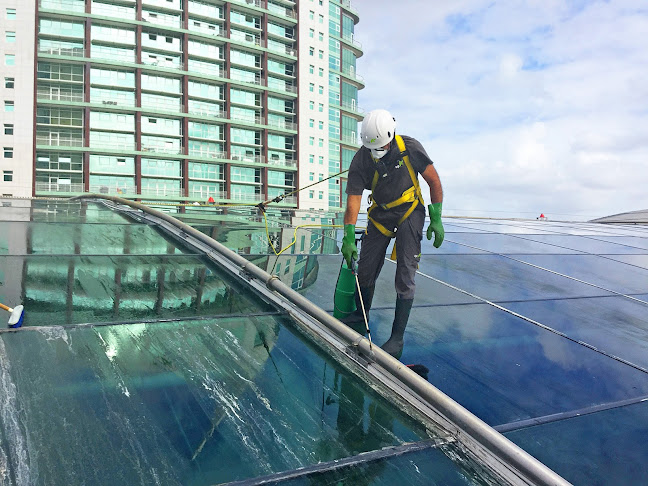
{"x": 436, "y": 226}
{"x": 349, "y": 248}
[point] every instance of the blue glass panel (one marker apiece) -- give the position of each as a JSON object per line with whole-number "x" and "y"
{"x": 503, "y": 368}
{"x": 497, "y": 278}
{"x": 599, "y": 449}
{"x": 615, "y": 325}
{"x": 596, "y": 270}
{"x": 61, "y": 211}
{"x": 633, "y": 241}
{"x": 499, "y": 243}
{"x": 191, "y": 403}
{"x": 499, "y": 227}
{"x": 587, "y": 245}
{"x": 458, "y": 227}
{"x": 636, "y": 260}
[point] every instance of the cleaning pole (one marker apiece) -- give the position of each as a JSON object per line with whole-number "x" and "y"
{"x": 364, "y": 313}
{"x": 17, "y": 314}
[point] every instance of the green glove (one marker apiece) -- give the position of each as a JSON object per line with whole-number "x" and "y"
{"x": 349, "y": 248}
{"x": 436, "y": 226}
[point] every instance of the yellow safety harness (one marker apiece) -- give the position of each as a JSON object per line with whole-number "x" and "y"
{"x": 412, "y": 195}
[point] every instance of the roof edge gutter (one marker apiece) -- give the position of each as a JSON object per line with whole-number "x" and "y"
{"x": 472, "y": 430}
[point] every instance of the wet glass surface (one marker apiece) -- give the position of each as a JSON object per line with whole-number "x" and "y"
{"x": 192, "y": 403}
{"x": 599, "y": 449}
{"x": 503, "y": 368}
{"x": 636, "y": 260}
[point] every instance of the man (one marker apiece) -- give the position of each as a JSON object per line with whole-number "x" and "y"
{"x": 388, "y": 165}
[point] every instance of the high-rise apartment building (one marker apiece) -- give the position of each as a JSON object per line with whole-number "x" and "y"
{"x": 179, "y": 100}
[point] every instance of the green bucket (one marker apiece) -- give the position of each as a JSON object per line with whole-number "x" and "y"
{"x": 344, "y": 298}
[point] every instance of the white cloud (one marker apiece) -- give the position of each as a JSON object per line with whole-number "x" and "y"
{"x": 525, "y": 106}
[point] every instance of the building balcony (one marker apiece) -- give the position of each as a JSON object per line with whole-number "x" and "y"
{"x": 283, "y": 162}
{"x": 62, "y": 5}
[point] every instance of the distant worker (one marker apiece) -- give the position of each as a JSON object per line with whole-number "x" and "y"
{"x": 211, "y": 200}
{"x": 388, "y": 165}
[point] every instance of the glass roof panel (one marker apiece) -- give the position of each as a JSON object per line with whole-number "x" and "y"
{"x": 596, "y": 270}
{"x": 587, "y": 245}
{"x": 497, "y": 278}
{"x": 636, "y": 260}
{"x": 72, "y": 289}
{"x": 615, "y": 325}
{"x": 194, "y": 402}
{"x": 500, "y": 243}
{"x": 503, "y": 368}
{"x": 602, "y": 448}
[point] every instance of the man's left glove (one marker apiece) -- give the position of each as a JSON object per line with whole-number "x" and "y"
{"x": 349, "y": 248}
{"x": 436, "y": 226}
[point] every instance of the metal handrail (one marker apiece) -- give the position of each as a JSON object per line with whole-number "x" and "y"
{"x": 511, "y": 462}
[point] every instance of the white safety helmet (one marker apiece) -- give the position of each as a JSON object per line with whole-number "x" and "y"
{"x": 377, "y": 129}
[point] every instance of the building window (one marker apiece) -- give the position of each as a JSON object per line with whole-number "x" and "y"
{"x": 321, "y": 194}
{"x": 321, "y": 125}
{"x": 321, "y": 90}
{"x": 311, "y": 33}
{"x": 9, "y": 105}
{"x": 321, "y": 36}
{"x": 321, "y": 72}
{"x": 11, "y": 13}
{"x": 321, "y": 54}
{"x": 8, "y": 129}
{"x": 311, "y": 87}
{"x": 8, "y": 152}
{"x": 10, "y": 36}
{"x": 321, "y": 160}
{"x": 311, "y": 51}
{"x": 311, "y": 123}
{"x": 311, "y": 176}
{"x": 311, "y": 159}
{"x": 311, "y": 194}
{"x": 9, "y": 83}
{"x": 7, "y": 175}
{"x": 321, "y": 107}
{"x": 321, "y": 19}
{"x": 10, "y": 59}
{"x": 321, "y": 142}
{"x": 311, "y": 105}
{"x": 311, "y": 14}
{"x": 311, "y": 141}
{"x": 311, "y": 69}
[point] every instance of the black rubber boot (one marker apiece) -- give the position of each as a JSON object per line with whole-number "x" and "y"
{"x": 394, "y": 344}
{"x": 356, "y": 316}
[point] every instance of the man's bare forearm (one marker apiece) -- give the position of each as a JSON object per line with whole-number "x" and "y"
{"x": 352, "y": 209}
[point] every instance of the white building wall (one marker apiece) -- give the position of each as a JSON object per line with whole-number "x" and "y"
{"x": 313, "y": 105}
{"x": 22, "y": 94}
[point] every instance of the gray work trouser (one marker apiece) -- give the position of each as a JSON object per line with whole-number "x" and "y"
{"x": 408, "y": 254}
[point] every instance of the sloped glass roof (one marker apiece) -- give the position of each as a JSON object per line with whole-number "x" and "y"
{"x": 141, "y": 361}
{"x": 145, "y": 360}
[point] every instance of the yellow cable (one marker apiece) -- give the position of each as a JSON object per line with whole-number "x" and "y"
{"x": 295, "y": 233}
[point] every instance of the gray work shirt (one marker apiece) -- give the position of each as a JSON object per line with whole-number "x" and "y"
{"x": 393, "y": 179}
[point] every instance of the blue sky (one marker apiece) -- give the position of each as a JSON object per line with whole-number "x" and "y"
{"x": 526, "y": 107}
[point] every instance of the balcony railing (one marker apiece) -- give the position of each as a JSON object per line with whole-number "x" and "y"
{"x": 62, "y": 51}
{"x": 64, "y": 5}
{"x": 351, "y": 106}
{"x": 282, "y": 124}
{"x": 112, "y": 145}
{"x": 237, "y": 196}
{"x": 161, "y": 150}
{"x": 174, "y": 192}
{"x": 283, "y": 162}
{"x": 58, "y": 187}
{"x": 60, "y": 141}
{"x": 61, "y": 95}
{"x": 259, "y": 159}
